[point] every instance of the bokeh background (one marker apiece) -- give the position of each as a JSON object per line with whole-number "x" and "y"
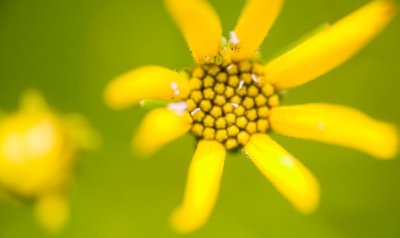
{"x": 70, "y": 49}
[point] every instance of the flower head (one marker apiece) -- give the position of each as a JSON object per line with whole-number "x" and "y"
{"x": 38, "y": 151}
{"x": 231, "y": 99}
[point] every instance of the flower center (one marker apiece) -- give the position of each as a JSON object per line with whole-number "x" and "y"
{"x": 229, "y": 101}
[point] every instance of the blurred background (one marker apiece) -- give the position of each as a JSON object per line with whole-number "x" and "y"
{"x": 70, "y": 49}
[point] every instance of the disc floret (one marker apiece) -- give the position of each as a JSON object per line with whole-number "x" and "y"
{"x": 229, "y": 101}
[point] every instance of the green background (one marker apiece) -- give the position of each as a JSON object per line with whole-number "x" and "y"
{"x": 70, "y": 49}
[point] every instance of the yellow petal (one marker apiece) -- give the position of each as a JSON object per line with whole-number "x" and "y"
{"x": 149, "y": 82}
{"x": 337, "y": 125}
{"x": 330, "y": 47}
{"x": 159, "y": 127}
{"x": 52, "y": 212}
{"x": 254, "y": 23}
{"x": 202, "y": 187}
{"x": 286, "y": 173}
{"x": 200, "y": 26}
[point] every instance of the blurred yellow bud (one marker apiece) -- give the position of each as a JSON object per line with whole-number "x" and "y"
{"x": 38, "y": 149}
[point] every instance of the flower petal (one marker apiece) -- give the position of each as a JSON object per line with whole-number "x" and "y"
{"x": 337, "y": 125}
{"x": 286, "y": 173}
{"x": 158, "y": 128}
{"x": 149, "y": 82}
{"x": 52, "y": 212}
{"x": 200, "y": 26}
{"x": 202, "y": 187}
{"x": 254, "y": 23}
{"x": 330, "y": 47}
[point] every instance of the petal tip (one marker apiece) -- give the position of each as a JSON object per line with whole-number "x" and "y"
{"x": 141, "y": 151}
{"x": 179, "y": 222}
{"x": 391, "y": 6}
{"x": 311, "y": 201}
{"x": 388, "y": 8}
{"x": 110, "y": 96}
{"x": 391, "y": 137}
{"x": 292, "y": 179}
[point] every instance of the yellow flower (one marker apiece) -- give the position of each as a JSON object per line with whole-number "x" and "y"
{"x": 38, "y": 151}
{"x": 230, "y": 99}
